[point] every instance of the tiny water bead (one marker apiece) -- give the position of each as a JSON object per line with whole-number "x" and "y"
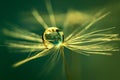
{"x": 52, "y": 36}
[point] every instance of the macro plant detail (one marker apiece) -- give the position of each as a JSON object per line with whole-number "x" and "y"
{"x": 54, "y": 40}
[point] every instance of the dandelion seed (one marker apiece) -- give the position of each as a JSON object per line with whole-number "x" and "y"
{"x": 80, "y": 40}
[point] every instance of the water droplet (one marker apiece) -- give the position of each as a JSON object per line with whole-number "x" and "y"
{"x": 53, "y": 36}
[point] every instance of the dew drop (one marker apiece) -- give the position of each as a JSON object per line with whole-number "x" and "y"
{"x": 52, "y": 36}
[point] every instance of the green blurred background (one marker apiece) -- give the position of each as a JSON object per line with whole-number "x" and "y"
{"x": 81, "y": 67}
